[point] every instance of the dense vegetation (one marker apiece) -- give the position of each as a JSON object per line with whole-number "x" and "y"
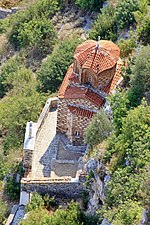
{"x": 26, "y": 80}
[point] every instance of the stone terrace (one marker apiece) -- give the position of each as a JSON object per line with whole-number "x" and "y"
{"x": 53, "y": 156}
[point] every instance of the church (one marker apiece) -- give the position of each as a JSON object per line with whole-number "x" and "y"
{"x": 94, "y": 74}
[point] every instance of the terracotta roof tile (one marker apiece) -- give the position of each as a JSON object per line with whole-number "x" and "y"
{"x": 99, "y": 58}
{"x": 113, "y": 83}
{"x": 74, "y": 78}
{"x": 78, "y": 111}
{"x": 74, "y": 92}
{"x": 65, "y": 82}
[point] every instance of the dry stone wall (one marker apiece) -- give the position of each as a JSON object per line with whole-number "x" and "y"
{"x": 68, "y": 190}
{"x": 6, "y": 12}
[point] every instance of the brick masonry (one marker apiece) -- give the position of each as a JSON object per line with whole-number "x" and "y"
{"x": 69, "y": 123}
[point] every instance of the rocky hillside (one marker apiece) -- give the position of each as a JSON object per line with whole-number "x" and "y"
{"x": 37, "y": 42}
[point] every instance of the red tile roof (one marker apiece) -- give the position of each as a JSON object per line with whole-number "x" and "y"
{"x": 89, "y": 55}
{"x": 74, "y": 92}
{"x": 74, "y": 78}
{"x": 113, "y": 83}
{"x": 78, "y": 111}
{"x": 65, "y": 82}
{"x": 68, "y": 88}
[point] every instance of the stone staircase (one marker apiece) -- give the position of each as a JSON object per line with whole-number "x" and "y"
{"x": 68, "y": 146}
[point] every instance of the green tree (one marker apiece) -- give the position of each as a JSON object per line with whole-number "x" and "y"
{"x": 90, "y": 4}
{"x": 127, "y": 164}
{"x": 33, "y": 28}
{"x": 72, "y": 215}
{"x": 6, "y": 73}
{"x": 105, "y": 25}
{"x": 143, "y": 21}
{"x": 119, "y": 104}
{"x": 53, "y": 70}
{"x": 98, "y": 129}
{"x": 140, "y": 78}
{"x": 25, "y": 103}
{"x": 125, "y": 13}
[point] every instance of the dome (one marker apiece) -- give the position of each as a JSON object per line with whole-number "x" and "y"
{"x": 98, "y": 56}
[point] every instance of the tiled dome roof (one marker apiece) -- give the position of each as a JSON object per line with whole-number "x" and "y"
{"x": 98, "y": 56}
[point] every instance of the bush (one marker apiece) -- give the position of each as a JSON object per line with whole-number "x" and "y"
{"x": 105, "y": 25}
{"x": 126, "y": 46}
{"x": 33, "y": 28}
{"x": 2, "y": 211}
{"x": 143, "y": 22}
{"x": 36, "y": 202}
{"x": 98, "y": 129}
{"x": 38, "y": 33}
{"x": 140, "y": 79}
{"x": 125, "y": 13}
{"x": 13, "y": 188}
{"x": 53, "y": 70}
{"x": 72, "y": 215}
{"x": 90, "y": 4}
{"x": 6, "y": 73}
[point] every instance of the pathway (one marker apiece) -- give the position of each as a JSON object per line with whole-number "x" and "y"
{"x": 45, "y": 147}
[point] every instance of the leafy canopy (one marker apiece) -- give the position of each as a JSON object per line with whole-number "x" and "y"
{"x": 53, "y": 70}
{"x": 98, "y": 129}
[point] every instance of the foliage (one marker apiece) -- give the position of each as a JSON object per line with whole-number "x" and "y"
{"x": 128, "y": 158}
{"x": 140, "y": 79}
{"x": 129, "y": 213}
{"x": 4, "y": 23}
{"x": 125, "y": 13}
{"x": 72, "y": 215}
{"x": 12, "y": 187}
{"x": 37, "y": 33}
{"x": 126, "y": 46}
{"x": 25, "y": 103}
{"x": 8, "y": 69}
{"x": 36, "y": 202}
{"x": 98, "y": 129}
{"x": 143, "y": 21}
{"x": 32, "y": 28}
{"x": 105, "y": 25}
{"x": 2, "y": 211}
{"x": 53, "y": 70}
{"x": 90, "y": 4}
{"x": 119, "y": 104}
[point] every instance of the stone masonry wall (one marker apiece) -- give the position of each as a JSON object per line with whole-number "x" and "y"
{"x": 60, "y": 190}
{"x": 79, "y": 123}
{"x": 63, "y": 111}
{"x": 5, "y": 12}
{"x": 27, "y": 161}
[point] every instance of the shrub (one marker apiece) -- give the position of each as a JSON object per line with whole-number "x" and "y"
{"x": 6, "y": 73}
{"x": 105, "y": 25}
{"x": 90, "y": 4}
{"x": 33, "y": 27}
{"x": 98, "y": 129}
{"x": 125, "y": 13}
{"x": 2, "y": 211}
{"x": 12, "y": 187}
{"x": 140, "y": 79}
{"x": 38, "y": 33}
{"x": 126, "y": 46}
{"x": 36, "y": 202}
{"x": 53, "y": 70}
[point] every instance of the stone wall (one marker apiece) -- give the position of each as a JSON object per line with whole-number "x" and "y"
{"x": 6, "y": 12}
{"x": 68, "y": 190}
{"x": 63, "y": 112}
